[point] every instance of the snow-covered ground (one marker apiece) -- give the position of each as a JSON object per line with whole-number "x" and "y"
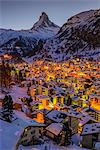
{"x": 51, "y": 147}
{"x": 9, "y": 135}
{"x": 18, "y": 92}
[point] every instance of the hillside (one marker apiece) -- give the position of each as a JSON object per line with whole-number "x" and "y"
{"x": 80, "y": 35}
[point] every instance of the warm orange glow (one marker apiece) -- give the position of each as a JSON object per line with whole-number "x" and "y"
{"x": 39, "y": 118}
{"x": 6, "y": 56}
{"x": 96, "y": 106}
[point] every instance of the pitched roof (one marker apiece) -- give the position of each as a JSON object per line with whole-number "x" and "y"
{"x": 56, "y": 116}
{"x": 91, "y": 129}
{"x": 55, "y": 128}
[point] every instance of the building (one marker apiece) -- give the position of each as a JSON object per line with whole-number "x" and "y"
{"x": 44, "y": 100}
{"x": 39, "y": 115}
{"x": 32, "y": 90}
{"x": 95, "y": 114}
{"x": 90, "y": 135}
{"x": 73, "y": 121}
{"x": 54, "y": 131}
{"x": 31, "y": 134}
{"x": 58, "y": 132}
{"x": 84, "y": 119}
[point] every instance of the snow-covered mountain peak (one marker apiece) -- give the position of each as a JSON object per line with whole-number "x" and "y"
{"x": 44, "y": 22}
{"x": 27, "y": 39}
{"x": 44, "y": 17}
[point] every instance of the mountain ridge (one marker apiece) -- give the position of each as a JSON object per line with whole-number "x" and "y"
{"x": 78, "y": 36}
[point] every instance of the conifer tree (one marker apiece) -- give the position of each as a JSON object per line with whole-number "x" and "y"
{"x": 5, "y": 75}
{"x": 7, "y": 108}
{"x": 20, "y": 76}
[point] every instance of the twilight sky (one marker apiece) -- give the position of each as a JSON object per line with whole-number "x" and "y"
{"x": 22, "y": 14}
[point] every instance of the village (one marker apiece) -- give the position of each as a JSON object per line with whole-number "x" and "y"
{"x": 55, "y": 101}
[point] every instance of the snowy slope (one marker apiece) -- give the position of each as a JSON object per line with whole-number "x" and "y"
{"x": 80, "y": 35}
{"x": 18, "y": 92}
{"x": 9, "y": 133}
{"x": 79, "y": 19}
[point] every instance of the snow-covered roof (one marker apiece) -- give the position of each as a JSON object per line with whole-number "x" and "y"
{"x": 56, "y": 116}
{"x": 55, "y": 128}
{"x": 73, "y": 113}
{"x": 93, "y": 95}
{"x": 76, "y": 98}
{"x": 33, "y": 87}
{"x": 91, "y": 129}
{"x": 85, "y": 119}
{"x": 35, "y": 102}
{"x": 89, "y": 110}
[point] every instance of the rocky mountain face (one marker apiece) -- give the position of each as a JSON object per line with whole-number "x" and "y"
{"x": 79, "y": 36}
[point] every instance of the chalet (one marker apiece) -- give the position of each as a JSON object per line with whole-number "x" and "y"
{"x": 58, "y": 98}
{"x": 84, "y": 119}
{"x": 75, "y": 100}
{"x": 73, "y": 121}
{"x": 43, "y": 99}
{"x": 32, "y": 134}
{"x": 58, "y": 132}
{"x": 39, "y": 115}
{"x": 95, "y": 114}
{"x": 55, "y": 116}
{"x": 54, "y": 130}
{"x": 45, "y": 90}
{"x": 92, "y": 133}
